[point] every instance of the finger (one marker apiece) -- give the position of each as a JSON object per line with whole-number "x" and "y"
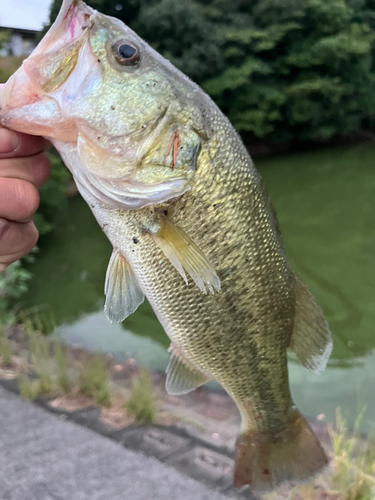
{"x": 34, "y": 169}
{"x": 14, "y": 144}
{"x": 19, "y": 200}
{"x": 16, "y": 240}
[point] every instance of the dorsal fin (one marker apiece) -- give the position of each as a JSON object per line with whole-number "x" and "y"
{"x": 182, "y": 376}
{"x": 123, "y": 294}
{"x": 311, "y": 339}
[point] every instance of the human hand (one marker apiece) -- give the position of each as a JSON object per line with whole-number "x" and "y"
{"x": 23, "y": 169}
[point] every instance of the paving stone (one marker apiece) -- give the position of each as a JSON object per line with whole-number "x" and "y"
{"x": 216, "y": 413}
{"x": 10, "y": 385}
{"x": 154, "y": 441}
{"x": 221, "y": 399}
{"x": 236, "y": 418}
{"x": 45, "y": 458}
{"x": 89, "y": 417}
{"x": 208, "y": 465}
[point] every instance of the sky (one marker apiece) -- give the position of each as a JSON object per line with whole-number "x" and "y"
{"x": 26, "y": 14}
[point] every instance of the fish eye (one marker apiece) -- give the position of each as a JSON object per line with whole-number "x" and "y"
{"x": 126, "y": 53}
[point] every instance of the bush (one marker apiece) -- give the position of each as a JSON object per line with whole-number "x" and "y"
{"x": 13, "y": 283}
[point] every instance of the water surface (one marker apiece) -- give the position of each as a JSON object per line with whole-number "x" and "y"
{"x": 325, "y": 205}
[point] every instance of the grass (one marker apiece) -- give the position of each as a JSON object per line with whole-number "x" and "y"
{"x": 28, "y": 388}
{"x": 352, "y": 472}
{"x": 5, "y": 349}
{"x": 93, "y": 381}
{"x": 42, "y": 362}
{"x": 37, "y": 319}
{"x": 141, "y": 401}
{"x": 63, "y": 380}
{"x": 49, "y": 363}
{"x": 354, "y": 461}
{"x": 45, "y": 367}
{"x": 45, "y": 358}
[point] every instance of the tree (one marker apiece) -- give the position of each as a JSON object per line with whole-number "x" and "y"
{"x": 296, "y": 69}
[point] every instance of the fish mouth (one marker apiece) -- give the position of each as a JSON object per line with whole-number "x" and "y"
{"x": 26, "y": 97}
{"x": 72, "y": 20}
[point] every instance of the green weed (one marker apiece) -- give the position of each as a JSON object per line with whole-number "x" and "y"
{"x": 28, "y": 388}
{"x": 63, "y": 380}
{"x": 354, "y": 461}
{"x": 93, "y": 381}
{"x": 141, "y": 402}
{"x": 5, "y": 350}
{"x": 45, "y": 385}
{"x": 39, "y": 347}
{"x": 42, "y": 362}
{"x": 38, "y": 319}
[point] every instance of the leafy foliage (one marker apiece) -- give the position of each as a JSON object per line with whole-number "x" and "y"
{"x": 13, "y": 284}
{"x": 52, "y": 195}
{"x": 196, "y": 52}
{"x": 296, "y": 69}
{"x": 291, "y": 69}
{"x": 14, "y": 280}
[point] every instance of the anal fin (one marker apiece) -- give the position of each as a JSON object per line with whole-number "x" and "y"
{"x": 182, "y": 376}
{"x": 311, "y": 339}
{"x": 123, "y": 294}
{"x": 185, "y": 255}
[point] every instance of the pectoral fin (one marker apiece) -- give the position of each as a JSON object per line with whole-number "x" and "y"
{"x": 185, "y": 255}
{"x": 182, "y": 376}
{"x": 311, "y": 339}
{"x": 123, "y": 294}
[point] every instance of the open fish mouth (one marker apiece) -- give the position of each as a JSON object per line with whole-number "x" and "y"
{"x": 44, "y": 71}
{"x": 72, "y": 20}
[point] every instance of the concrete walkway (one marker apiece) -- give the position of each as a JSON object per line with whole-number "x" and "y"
{"x": 43, "y": 457}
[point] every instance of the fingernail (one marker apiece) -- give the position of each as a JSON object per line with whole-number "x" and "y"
{"x": 9, "y": 141}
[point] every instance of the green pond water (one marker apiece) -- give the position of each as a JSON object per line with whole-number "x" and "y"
{"x": 325, "y": 204}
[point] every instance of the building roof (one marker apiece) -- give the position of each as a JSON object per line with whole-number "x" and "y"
{"x": 18, "y": 30}
{"x": 27, "y": 15}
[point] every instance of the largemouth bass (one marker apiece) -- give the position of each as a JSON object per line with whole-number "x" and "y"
{"x": 191, "y": 224}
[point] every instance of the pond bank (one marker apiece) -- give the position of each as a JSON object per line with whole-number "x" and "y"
{"x": 195, "y": 433}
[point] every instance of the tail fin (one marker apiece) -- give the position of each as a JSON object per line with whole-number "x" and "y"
{"x": 265, "y": 460}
